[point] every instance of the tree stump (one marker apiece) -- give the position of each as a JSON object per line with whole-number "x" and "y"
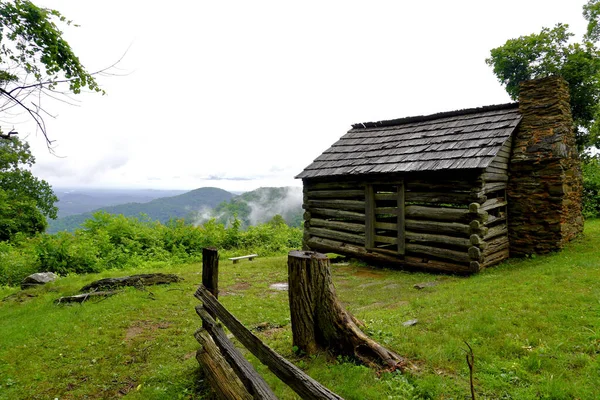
{"x": 319, "y": 321}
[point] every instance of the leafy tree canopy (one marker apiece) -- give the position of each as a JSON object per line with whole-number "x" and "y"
{"x": 35, "y": 60}
{"x": 25, "y": 201}
{"x": 552, "y": 52}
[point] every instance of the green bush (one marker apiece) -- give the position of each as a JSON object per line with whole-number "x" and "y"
{"x": 114, "y": 242}
{"x": 591, "y": 187}
{"x": 16, "y": 262}
{"x": 64, "y": 252}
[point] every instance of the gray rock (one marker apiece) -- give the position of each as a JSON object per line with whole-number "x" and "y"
{"x": 424, "y": 285}
{"x": 410, "y": 322}
{"x": 39, "y": 278}
{"x": 279, "y": 286}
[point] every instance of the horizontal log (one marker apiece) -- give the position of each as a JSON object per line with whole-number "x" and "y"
{"x": 337, "y": 235}
{"x": 443, "y": 214}
{"x": 220, "y": 375}
{"x": 386, "y": 196}
{"x": 444, "y": 198}
{"x": 477, "y": 228}
{"x": 492, "y": 177}
{"x": 386, "y": 225}
{"x": 81, "y": 298}
{"x": 497, "y": 230}
{"x": 295, "y": 378}
{"x": 427, "y": 238}
{"x": 494, "y": 186}
{"x": 387, "y": 210}
{"x": 504, "y": 152}
{"x": 423, "y": 263}
{"x": 347, "y": 205}
{"x": 495, "y": 258}
{"x": 500, "y": 163}
{"x": 337, "y": 225}
{"x": 496, "y": 245}
{"x": 444, "y": 228}
{"x": 386, "y": 258}
{"x": 494, "y": 170}
{"x": 352, "y": 185}
{"x": 494, "y": 203}
{"x": 493, "y": 220}
{"x": 253, "y": 382}
{"x": 438, "y": 252}
{"x": 386, "y": 239}
{"x": 133, "y": 280}
{"x": 345, "y": 215}
{"x": 335, "y": 194}
{"x": 441, "y": 184}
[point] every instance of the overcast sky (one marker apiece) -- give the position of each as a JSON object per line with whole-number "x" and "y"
{"x": 244, "y": 94}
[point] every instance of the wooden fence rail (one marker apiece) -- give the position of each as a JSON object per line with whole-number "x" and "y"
{"x": 229, "y": 373}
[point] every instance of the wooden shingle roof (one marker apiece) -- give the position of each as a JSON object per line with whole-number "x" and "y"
{"x": 462, "y": 139}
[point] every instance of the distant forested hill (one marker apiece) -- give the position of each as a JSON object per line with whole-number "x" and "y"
{"x": 260, "y": 206}
{"x": 78, "y": 201}
{"x": 161, "y": 209}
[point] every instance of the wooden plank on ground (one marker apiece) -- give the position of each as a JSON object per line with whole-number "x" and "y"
{"x": 251, "y": 379}
{"x": 302, "y": 384}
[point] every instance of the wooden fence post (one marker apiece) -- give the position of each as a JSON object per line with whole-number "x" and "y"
{"x": 210, "y": 271}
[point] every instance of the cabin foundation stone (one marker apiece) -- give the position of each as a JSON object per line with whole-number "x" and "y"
{"x": 545, "y": 185}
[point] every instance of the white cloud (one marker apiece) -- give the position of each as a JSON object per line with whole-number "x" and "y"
{"x": 222, "y": 92}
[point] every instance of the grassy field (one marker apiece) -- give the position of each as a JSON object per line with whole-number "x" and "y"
{"x": 533, "y": 324}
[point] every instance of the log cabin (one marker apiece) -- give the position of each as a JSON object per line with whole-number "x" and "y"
{"x": 455, "y": 191}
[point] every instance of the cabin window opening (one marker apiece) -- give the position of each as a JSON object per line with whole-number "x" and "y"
{"x": 384, "y": 213}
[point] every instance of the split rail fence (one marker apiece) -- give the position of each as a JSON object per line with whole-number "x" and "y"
{"x": 230, "y": 375}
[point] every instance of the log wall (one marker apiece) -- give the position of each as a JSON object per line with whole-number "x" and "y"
{"x": 424, "y": 221}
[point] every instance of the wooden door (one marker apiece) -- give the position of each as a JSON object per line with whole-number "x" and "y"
{"x": 384, "y": 223}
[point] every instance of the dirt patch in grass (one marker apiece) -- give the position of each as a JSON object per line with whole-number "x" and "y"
{"x": 367, "y": 273}
{"x": 141, "y": 327}
{"x": 240, "y": 286}
{"x": 397, "y": 304}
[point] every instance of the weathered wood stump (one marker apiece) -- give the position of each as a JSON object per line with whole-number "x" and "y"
{"x": 319, "y": 321}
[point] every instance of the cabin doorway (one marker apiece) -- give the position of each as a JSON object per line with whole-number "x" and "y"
{"x": 384, "y": 214}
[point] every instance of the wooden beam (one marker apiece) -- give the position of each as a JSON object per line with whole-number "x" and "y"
{"x": 493, "y": 203}
{"x": 295, "y": 378}
{"x": 443, "y": 228}
{"x": 428, "y": 238}
{"x": 443, "y": 214}
{"x": 337, "y": 235}
{"x": 351, "y": 185}
{"x": 347, "y": 205}
{"x": 400, "y": 220}
{"x": 335, "y": 194}
{"x": 253, "y": 382}
{"x": 438, "y": 252}
{"x": 338, "y": 225}
{"x": 220, "y": 375}
{"x": 369, "y": 216}
{"x": 345, "y": 215}
{"x": 386, "y": 239}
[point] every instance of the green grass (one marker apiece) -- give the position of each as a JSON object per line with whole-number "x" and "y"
{"x": 533, "y": 324}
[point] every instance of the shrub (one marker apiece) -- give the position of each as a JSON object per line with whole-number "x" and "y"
{"x": 591, "y": 187}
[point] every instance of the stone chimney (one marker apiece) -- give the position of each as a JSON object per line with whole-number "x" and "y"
{"x": 545, "y": 184}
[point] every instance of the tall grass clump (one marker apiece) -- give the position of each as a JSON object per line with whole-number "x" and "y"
{"x": 116, "y": 242}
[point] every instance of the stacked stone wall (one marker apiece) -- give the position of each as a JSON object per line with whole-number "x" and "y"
{"x": 545, "y": 185}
